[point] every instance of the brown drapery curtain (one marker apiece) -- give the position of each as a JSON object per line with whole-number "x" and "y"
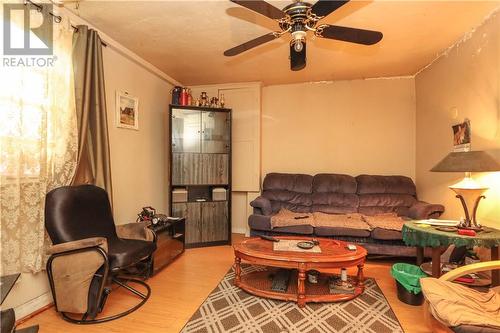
{"x": 94, "y": 165}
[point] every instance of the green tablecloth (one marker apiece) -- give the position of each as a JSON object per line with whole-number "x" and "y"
{"x": 415, "y": 234}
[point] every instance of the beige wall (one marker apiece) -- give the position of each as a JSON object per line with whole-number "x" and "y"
{"x": 352, "y": 127}
{"x": 245, "y": 101}
{"x": 138, "y": 158}
{"x": 465, "y": 83}
{"x": 138, "y": 162}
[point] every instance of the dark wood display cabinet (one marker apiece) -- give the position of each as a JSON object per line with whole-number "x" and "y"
{"x": 200, "y": 173}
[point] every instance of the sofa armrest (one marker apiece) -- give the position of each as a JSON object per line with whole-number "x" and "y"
{"x": 263, "y": 204}
{"x": 135, "y": 230}
{"x": 78, "y": 245}
{"x": 423, "y": 210}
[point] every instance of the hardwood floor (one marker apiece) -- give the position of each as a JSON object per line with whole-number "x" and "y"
{"x": 181, "y": 287}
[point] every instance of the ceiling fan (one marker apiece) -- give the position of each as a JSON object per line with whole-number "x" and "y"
{"x": 297, "y": 19}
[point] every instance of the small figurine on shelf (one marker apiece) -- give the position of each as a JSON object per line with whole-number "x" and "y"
{"x": 214, "y": 102}
{"x": 204, "y": 99}
{"x": 222, "y": 101}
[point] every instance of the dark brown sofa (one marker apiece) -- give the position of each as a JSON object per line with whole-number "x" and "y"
{"x": 341, "y": 194}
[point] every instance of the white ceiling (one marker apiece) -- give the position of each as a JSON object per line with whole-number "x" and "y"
{"x": 186, "y": 39}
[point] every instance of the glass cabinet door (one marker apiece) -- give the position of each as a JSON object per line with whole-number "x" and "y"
{"x": 186, "y": 131}
{"x": 215, "y": 132}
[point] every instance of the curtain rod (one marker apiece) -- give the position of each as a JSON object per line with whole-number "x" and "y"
{"x": 57, "y": 18}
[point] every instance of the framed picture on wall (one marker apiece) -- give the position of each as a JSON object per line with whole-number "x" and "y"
{"x": 127, "y": 111}
{"x": 461, "y": 136}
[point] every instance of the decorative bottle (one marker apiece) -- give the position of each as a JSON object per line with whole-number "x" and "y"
{"x": 184, "y": 96}
{"x": 222, "y": 101}
{"x": 343, "y": 275}
{"x": 189, "y": 97}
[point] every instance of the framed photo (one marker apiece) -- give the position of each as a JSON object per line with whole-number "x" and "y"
{"x": 461, "y": 136}
{"x": 127, "y": 111}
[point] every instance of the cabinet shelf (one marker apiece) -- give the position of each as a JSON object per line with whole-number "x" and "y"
{"x": 200, "y": 108}
{"x": 181, "y": 202}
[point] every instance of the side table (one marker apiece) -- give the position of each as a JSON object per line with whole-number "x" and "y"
{"x": 170, "y": 242}
{"x": 421, "y": 236}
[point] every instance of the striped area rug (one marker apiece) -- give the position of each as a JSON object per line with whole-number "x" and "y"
{"x": 229, "y": 309}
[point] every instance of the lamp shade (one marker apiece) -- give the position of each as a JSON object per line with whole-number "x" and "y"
{"x": 468, "y": 161}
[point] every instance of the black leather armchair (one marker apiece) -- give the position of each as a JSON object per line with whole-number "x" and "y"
{"x": 88, "y": 254}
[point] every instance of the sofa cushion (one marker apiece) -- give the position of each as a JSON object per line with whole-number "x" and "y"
{"x": 294, "y": 201}
{"x": 374, "y": 210}
{"x": 340, "y": 231}
{"x": 287, "y": 218}
{"x": 386, "y": 200}
{"x": 370, "y": 184}
{"x": 385, "y": 194}
{"x": 340, "y": 225}
{"x": 334, "y": 194}
{"x": 386, "y": 234}
{"x": 371, "y": 204}
{"x": 334, "y": 203}
{"x": 288, "y": 182}
{"x": 295, "y": 229}
{"x": 289, "y": 191}
{"x": 263, "y": 223}
{"x": 333, "y": 183}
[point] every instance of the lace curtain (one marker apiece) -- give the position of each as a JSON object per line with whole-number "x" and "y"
{"x": 38, "y": 150}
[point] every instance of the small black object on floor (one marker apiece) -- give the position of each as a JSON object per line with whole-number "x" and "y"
{"x": 281, "y": 279}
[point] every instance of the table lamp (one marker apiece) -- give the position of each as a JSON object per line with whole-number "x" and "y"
{"x": 468, "y": 190}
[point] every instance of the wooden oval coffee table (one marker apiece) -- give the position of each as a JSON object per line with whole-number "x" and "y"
{"x": 334, "y": 254}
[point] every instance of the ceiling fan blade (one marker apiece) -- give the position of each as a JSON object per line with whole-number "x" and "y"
{"x": 353, "y": 35}
{"x": 251, "y": 44}
{"x": 261, "y": 7}
{"x": 326, "y": 7}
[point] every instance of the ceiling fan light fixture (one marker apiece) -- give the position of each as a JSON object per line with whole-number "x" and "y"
{"x": 298, "y": 40}
{"x": 296, "y": 19}
{"x": 298, "y": 46}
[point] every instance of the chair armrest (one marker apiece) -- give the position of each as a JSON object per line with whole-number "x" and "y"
{"x": 472, "y": 268}
{"x": 78, "y": 245}
{"x": 135, "y": 230}
{"x": 72, "y": 268}
{"x": 263, "y": 204}
{"x": 422, "y": 210}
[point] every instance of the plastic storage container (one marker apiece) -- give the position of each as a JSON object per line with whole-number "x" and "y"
{"x": 179, "y": 195}
{"x": 408, "y": 283}
{"x": 219, "y": 194}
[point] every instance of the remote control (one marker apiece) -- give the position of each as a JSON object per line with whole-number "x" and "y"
{"x": 281, "y": 280}
{"x": 351, "y": 247}
{"x": 269, "y": 238}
